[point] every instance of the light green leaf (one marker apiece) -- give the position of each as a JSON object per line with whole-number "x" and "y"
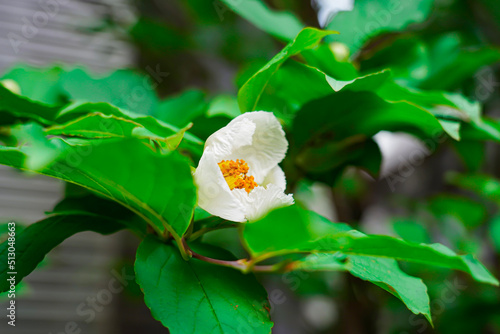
{"x": 194, "y": 297}
{"x": 35, "y": 241}
{"x": 282, "y": 25}
{"x": 97, "y": 125}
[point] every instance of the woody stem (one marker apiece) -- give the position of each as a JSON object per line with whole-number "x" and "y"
{"x": 243, "y": 264}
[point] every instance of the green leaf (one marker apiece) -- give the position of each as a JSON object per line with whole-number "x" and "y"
{"x": 250, "y": 92}
{"x": 348, "y": 113}
{"x": 472, "y": 153}
{"x": 494, "y": 232}
{"x": 483, "y": 185}
{"x": 40, "y": 150}
{"x": 88, "y": 203}
{"x": 411, "y": 231}
{"x": 38, "y": 84}
{"x": 197, "y": 297}
{"x": 34, "y": 242}
{"x": 282, "y": 25}
{"x": 181, "y": 109}
{"x": 330, "y": 58}
{"x": 95, "y": 125}
{"x": 461, "y": 62}
{"x": 326, "y": 162}
{"x": 157, "y": 187}
{"x": 224, "y": 105}
{"x": 125, "y": 89}
{"x": 309, "y": 232}
{"x": 23, "y": 107}
{"x": 370, "y": 18}
{"x": 443, "y": 62}
{"x": 153, "y": 125}
{"x": 296, "y": 84}
{"x": 384, "y": 273}
{"x": 459, "y": 117}
{"x": 407, "y": 57}
{"x": 471, "y": 213}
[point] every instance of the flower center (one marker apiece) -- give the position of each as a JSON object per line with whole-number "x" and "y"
{"x": 235, "y": 173}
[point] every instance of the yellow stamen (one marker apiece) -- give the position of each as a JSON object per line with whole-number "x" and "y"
{"x": 235, "y": 173}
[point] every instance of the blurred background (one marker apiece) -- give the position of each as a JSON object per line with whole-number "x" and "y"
{"x": 191, "y": 51}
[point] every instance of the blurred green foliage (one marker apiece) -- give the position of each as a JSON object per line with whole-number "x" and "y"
{"x": 424, "y": 68}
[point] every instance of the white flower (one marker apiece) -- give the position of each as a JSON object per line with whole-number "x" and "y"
{"x": 238, "y": 176}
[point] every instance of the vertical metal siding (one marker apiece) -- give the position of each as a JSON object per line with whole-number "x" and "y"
{"x": 80, "y": 267}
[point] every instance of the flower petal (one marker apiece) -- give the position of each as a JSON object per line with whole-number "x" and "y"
{"x": 214, "y": 194}
{"x": 277, "y": 177}
{"x": 268, "y": 146}
{"x": 239, "y": 132}
{"x": 260, "y": 201}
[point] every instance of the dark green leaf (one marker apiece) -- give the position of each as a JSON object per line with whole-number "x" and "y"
{"x": 384, "y": 273}
{"x": 34, "y": 242}
{"x": 483, "y": 185}
{"x": 196, "y": 297}
{"x": 469, "y": 212}
{"x": 372, "y": 17}
{"x": 282, "y": 25}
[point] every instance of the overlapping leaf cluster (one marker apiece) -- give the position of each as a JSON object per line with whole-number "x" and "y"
{"x": 133, "y": 155}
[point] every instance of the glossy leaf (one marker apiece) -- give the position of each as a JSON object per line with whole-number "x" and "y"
{"x": 164, "y": 195}
{"x": 198, "y": 297}
{"x": 309, "y": 232}
{"x": 250, "y": 92}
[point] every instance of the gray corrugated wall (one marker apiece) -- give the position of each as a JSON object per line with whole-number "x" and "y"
{"x": 80, "y": 267}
